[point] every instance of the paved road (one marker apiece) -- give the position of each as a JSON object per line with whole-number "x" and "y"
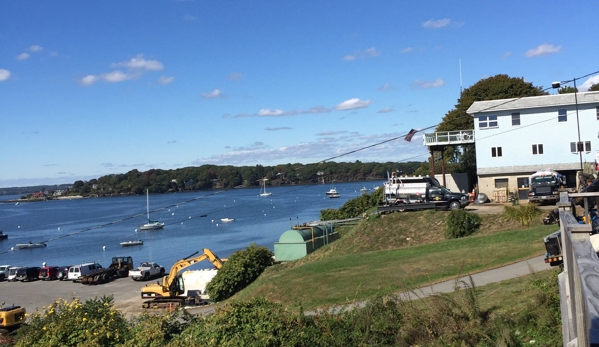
{"x": 34, "y": 295}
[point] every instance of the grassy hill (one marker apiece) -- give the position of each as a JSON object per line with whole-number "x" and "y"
{"x": 393, "y": 253}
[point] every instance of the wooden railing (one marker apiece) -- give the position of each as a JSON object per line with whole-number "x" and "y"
{"x": 579, "y": 281}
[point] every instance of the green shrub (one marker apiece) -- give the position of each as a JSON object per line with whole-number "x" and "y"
{"x": 93, "y": 323}
{"x": 523, "y": 214}
{"x": 242, "y": 268}
{"x": 354, "y": 207}
{"x": 461, "y": 223}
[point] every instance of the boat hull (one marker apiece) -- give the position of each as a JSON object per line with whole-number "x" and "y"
{"x": 151, "y": 226}
{"x": 132, "y": 243}
{"x": 30, "y": 245}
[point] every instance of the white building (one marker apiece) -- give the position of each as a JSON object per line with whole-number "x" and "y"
{"x": 517, "y": 137}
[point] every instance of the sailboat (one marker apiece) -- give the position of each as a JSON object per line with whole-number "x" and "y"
{"x": 263, "y": 188}
{"x": 150, "y": 225}
{"x": 332, "y": 192}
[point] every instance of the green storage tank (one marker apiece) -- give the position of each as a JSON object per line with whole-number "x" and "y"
{"x": 301, "y": 241}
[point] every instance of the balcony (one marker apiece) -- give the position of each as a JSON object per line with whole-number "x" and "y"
{"x": 457, "y": 137}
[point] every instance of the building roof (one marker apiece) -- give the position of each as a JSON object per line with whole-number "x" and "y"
{"x": 533, "y": 102}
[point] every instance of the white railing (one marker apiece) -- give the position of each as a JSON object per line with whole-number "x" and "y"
{"x": 455, "y": 137}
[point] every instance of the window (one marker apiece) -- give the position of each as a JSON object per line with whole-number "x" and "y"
{"x": 597, "y": 109}
{"x": 562, "y": 115}
{"x": 515, "y": 118}
{"x": 576, "y": 147}
{"x": 495, "y": 152}
{"x": 487, "y": 122}
{"x": 537, "y": 149}
{"x": 501, "y": 182}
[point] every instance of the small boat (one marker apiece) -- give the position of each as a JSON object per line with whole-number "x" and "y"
{"x": 364, "y": 189}
{"x": 132, "y": 243}
{"x": 334, "y": 195}
{"x": 30, "y": 245}
{"x": 263, "y": 191}
{"x": 332, "y": 191}
{"x": 226, "y": 220}
{"x": 3, "y": 236}
{"x": 150, "y": 225}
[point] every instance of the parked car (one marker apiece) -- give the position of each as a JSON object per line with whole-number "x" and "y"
{"x": 77, "y": 271}
{"x": 28, "y": 274}
{"x": 49, "y": 273}
{"x": 12, "y": 273}
{"x": 63, "y": 272}
{"x": 4, "y": 272}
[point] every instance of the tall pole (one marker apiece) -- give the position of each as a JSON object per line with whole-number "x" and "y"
{"x": 578, "y": 125}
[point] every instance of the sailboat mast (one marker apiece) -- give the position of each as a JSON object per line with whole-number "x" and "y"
{"x": 148, "y": 203}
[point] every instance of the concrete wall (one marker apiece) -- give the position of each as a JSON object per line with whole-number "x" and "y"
{"x": 456, "y": 182}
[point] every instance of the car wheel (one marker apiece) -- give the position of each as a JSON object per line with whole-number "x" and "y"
{"x": 454, "y": 205}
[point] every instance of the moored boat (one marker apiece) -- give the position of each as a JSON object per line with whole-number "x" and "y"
{"x": 30, "y": 245}
{"x": 225, "y": 220}
{"x": 3, "y": 236}
{"x": 132, "y": 243}
{"x": 334, "y": 195}
{"x": 150, "y": 225}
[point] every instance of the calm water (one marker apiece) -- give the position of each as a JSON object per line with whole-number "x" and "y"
{"x": 77, "y": 230}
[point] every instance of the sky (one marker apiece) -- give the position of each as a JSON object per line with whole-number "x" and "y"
{"x": 92, "y": 88}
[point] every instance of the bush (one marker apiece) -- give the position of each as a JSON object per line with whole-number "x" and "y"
{"x": 461, "y": 223}
{"x": 354, "y": 207}
{"x": 242, "y": 268}
{"x": 93, "y": 323}
{"x": 523, "y": 214}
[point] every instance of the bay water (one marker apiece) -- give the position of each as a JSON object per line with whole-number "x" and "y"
{"x": 91, "y": 229}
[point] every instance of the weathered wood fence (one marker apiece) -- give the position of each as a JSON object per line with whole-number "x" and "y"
{"x": 579, "y": 281}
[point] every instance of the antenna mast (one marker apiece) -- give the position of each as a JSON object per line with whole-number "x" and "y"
{"x": 460, "y": 77}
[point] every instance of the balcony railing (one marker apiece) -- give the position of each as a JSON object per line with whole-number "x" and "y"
{"x": 456, "y": 137}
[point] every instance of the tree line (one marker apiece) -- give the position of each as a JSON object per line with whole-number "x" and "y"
{"x": 206, "y": 177}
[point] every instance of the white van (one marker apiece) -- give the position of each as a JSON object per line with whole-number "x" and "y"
{"x": 4, "y": 270}
{"x": 76, "y": 271}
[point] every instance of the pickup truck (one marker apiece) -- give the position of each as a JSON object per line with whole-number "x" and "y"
{"x": 146, "y": 271}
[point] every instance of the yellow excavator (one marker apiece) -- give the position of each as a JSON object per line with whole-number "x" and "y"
{"x": 169, "y": 292}
{"x": 11, "y": 317}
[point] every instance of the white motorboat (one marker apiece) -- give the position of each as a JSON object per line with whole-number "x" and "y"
{"x": 226, "y": 220}
{"x": 334, "y": 195}
{"x": 332, "y": 191}
{"x": 30, "y": 245}
{"x": 132, "y": 243}
{"x": 150, "y": 225}
{"x": 263, "y": 191}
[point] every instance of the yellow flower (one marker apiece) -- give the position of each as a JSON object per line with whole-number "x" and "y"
{"x": 84, "y": 319}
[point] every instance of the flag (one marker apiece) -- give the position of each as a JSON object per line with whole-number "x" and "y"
{"x": 410, "y": 135}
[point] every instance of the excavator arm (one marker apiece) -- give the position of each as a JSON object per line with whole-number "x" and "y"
{"x": 169, "y": 283}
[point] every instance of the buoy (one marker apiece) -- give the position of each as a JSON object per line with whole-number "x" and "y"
{"x": 103, "y": 248}
{"x": 58, "y": 228}
{"x": 19, "y": 227}
{"x": 135, "y": 230}
{"x": 173, "y": 214}
{"x": 189, "y": 217}
{"x": 181, "y": 223}
{"x": 216, "y": 224}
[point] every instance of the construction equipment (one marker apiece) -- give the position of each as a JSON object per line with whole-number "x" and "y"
{"x": 11, "y": 317}
{"x": 168, "y": 292}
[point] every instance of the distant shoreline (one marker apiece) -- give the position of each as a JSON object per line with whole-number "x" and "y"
{"x": 14, "y": 201}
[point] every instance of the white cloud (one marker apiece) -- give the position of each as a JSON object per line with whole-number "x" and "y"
{"x": 544, "y": 49}
{"x": 435, "y": 24}
{"x": 353, "y": 104}
{"x": 36, "y": 48}
{"x": 386, "y": 110}
{"x": 429, "y": 84}
{"x": 235, "y": 76}
{"x": 407, "y": 50}
{"x": 23, "y": 56}
{"x": 165, "y": 80}
{"x": 588, "y": 83}
{"x": 88, "y": 80}
{"x": 117, "y": 76}
{"x": 367, "y": 53}
{"x": 4, "y": 75}
{"x": 277, "y": 129}
{"x": 270, "y": 113}
{"x": 213, "y": 94}
{"x": 384, "y": 87}
{"x": 506, "y": 55}
{"x": 140, "y": 63}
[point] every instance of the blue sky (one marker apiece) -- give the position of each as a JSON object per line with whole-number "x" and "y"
{"x": 94, "y": 88}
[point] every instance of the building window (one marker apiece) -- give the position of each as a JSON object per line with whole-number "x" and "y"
{"x": 496, "y": 152}
{"x": 562, "y": 115}
{"x": 516, "y": 118}
{"x": 597, "y": 109}
{"x": 487, "y": 122}
{"x": 576, "y": 147}
{"x": 537, "y": 149}
{"x": 501, "y": 183}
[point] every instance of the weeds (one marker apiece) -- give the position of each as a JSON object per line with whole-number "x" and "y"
{"x": 523, "y": 214}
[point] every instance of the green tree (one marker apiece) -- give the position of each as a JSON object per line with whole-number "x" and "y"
{"x": 594, "y": 87}
{"x": 567, "y": 90}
